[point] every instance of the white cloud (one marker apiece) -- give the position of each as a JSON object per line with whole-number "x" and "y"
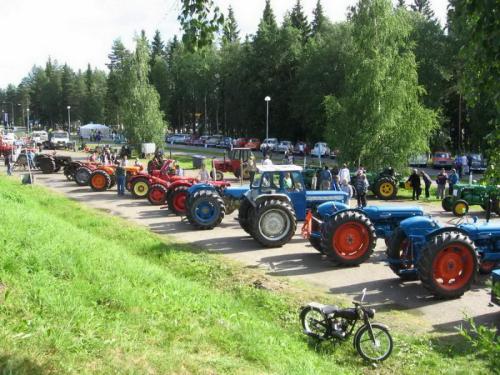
{"x": 81, "y": 31}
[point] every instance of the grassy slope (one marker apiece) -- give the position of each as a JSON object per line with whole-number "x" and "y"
{"x": 83, "y": 292}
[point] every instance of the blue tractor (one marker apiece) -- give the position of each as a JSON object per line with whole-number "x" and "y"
{"x": 446, "y": 259}
{"x": 348, "y": 236}
{"x": 268, "y": 209}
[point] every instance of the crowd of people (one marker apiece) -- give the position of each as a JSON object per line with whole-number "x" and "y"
{"x": 416, "y": 178}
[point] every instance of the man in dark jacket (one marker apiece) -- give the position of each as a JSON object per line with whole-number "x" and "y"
{"x": 428, "y": 182}
{"x": 414, "y": 181}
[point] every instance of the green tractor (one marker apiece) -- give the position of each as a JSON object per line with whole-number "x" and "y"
{"x": 384, "y": 185}
{"x": 466, "y": 195}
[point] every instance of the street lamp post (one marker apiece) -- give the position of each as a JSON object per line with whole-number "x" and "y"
{"x": 13, "y": 115}
{"x": 28, "y": 120}
{"x": 69, "y": 119}
{"x": 267, "y": 99}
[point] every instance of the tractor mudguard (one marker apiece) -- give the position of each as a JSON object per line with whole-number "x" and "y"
{"x": 201, "y": 186}
{"x": 275, "y": 196}
{"x": 419, "y": 226}
{"x": 327, "y": 209}
{"x": 445, "y": 229}
{"x": 175, "y": 184}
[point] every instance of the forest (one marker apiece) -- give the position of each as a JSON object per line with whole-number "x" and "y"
{"x": 389, "y": 81}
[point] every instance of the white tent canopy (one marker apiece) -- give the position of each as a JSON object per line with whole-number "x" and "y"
{"x": 86, "y": 130}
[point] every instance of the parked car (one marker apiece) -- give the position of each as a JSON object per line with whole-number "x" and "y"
{"x": 442, "y": 159}
{"x": 40, "y": 136}
{"x": 179, "y": 138}
{"x": 190, "y": 140}
{"x": 225, "y": 142}
{"x": 320, "y": 149}
{"x": 285, "y": 146}
{"x": 476, "y": 162}
{"x": 270, "y": 143}
{"x": 301, "y": 148}
{"x": 253, "y": 144}
{"x": 201, "y": 141}
{"x": 214, "y": 140}
{"x": 168, "y": 138}
{"x": 418, "y": 161}
{"x": 240, "y": 142}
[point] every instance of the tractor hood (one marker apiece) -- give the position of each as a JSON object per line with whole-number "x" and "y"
{"x": 236, "y": 192}
{"x": 326, "y": 196}
{"x": 327, "y": 209}
{"x": 476, "y": 229}
{"x": 386, "y": 212}
{"x": 418, "y": 225}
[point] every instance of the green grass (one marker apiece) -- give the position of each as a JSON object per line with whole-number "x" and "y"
{"x": 83, "y": 292}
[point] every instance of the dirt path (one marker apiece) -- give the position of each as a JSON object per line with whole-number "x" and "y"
{"x": 298, "y": 260}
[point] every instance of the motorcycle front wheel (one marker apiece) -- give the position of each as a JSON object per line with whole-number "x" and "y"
{"x": 376, "y": 347}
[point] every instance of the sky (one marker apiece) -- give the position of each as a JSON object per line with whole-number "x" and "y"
{"x": 79, "y": 32}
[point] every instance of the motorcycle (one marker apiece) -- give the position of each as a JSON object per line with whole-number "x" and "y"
{"x": 372, "y": 341}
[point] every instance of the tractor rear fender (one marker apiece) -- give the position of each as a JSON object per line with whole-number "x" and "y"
{"x": 196, "y": 187}
{"x": 417, "y": 228}
{"x": 175, "y": 184}
{"x": 108, "y": 170}
{"x": 445, "y": 229}
{"x": 276, "y": 196}
{"x": 327, "y": 209}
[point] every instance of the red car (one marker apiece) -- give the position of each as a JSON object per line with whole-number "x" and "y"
{"x": 240, "y": 142}
{"x": 253, "y": 144}
{"x": 442, "y": 159}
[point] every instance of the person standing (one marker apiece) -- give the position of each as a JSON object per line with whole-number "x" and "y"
{"x": 267, "y": 160}
{"x": 336, "y": 183}
{"x": 204, "y": 176}
{"x": 414, "y": 181}
{"x": 361, "y": 186}
{"x": 8, "y": 163}
{"x": 427, "y": 183}
{"x": 465, "y": 165}
{"x": 344, "y": 174}
{"x": 441, "y": 180}
{"x": 120, "y": 177}
{"x": 252, "y": 168}
{"x": 452, "y": 180}
{"x": 346, "y": 188}
{"x": 325, "y": 179}
{"x": 314, "y": 181}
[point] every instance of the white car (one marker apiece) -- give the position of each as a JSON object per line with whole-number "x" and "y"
{"x": 40, "y": 136}
{"x": 59, "y": 139}
{"x": 418, "y": 161}
{"x": 320, "y": 149}
{"x": 285, "y": 146}
{"x": 270, "y": 143}
{"x": 179, "y": 138}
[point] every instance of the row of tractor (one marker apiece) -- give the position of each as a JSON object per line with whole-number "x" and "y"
{"x": 445, "y": 258}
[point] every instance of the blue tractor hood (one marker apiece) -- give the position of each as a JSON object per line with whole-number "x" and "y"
{"x": 326, "y": 196}
{"x": 418, "y": 225}
{"x": 392, "y": 211}
{"x": 236, "y": 192}
{"x": 474, "y": 229}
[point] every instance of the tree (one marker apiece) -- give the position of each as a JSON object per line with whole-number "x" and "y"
{"x": 230, "y": 34}
{"x": 200, "y": 20}
{"x": 157, "y": 47}
{"x": 299, "y": 21}
{"x": 319, "y": 20}
{"x": 381, "y": 100}
{"x": 423, "y": 7}
{"x": 142, "y": 118}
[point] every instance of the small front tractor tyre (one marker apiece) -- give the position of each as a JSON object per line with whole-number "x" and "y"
{"x": 157, "y": 195}
{"x": 100, "y": 180}
{"x": 447, "y": 203}
{"x": 219, "y": 176}
{"x": 177, "y": 200}
{"x": 460, "y": 208}
{"x": 140, "y": 188}
{"x": 47, "y": 165}
{"x": 386, "y": 189}
{"x": 82, "y": 176}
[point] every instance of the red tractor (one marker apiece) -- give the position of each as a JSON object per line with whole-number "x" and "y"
{"x": 103, "y": 177}
{"x": 158, "y": 172}
{"x": 236, "y": 162}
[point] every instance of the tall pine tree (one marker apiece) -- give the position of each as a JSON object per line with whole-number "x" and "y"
{"x": 319, "y": 20}
{"x": 423, "y": 7}
{"x": 231, "y": 34}
{"x": 299, "y": 20}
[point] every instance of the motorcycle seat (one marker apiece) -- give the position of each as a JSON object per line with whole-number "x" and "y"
{"x": 329, "y": 309}
{"x": 349, "y": 313}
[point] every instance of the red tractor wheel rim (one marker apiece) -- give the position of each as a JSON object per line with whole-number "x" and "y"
{"x": 351, "y": 240}
{"x": 157, "y": 195}
{"x": 179, "y": 201}
{"x": 99, "y": 181}
{"x": 453, "y": 267}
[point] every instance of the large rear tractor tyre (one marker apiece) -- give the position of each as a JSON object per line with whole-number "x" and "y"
{"x": 157, "y": 195}
{"x": 399, "y": 250}
{"x": 348, "y": 238}
{"x": 100, "y": 180}
{"x": 448, "y": 265}
{"x": 47, "y": 165}
{"x": 140, "y": 188}
{"x": 273, "y": 223}
{"x": 244, "y": 214}
{"x": 447, "y": 203}
{"x": 82, "y": 176}
{"x": 177, "y": 200}
{"x": 386, "y": 189}
{"x": 206, "y": 210}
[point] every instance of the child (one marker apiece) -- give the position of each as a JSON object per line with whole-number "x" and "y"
{"x": 346, "y": 188}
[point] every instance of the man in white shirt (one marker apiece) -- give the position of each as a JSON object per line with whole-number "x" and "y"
{"x": 344, "y": 174}
{"x": 267, "y": 161}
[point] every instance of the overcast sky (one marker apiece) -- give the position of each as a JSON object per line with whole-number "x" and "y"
{"x": 81, "y": 31}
